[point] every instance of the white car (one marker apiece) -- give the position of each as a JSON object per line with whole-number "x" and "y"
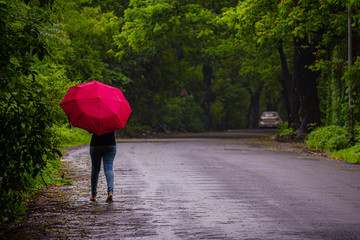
{"x": 269, "y": 119}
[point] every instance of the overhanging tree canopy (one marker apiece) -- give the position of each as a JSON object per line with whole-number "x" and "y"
{"x": 309, "y": 26}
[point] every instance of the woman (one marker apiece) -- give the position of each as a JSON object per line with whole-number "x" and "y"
{"x": 102, "y": 147}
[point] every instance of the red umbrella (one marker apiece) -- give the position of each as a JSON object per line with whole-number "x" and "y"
{"x": 96, "y": 107}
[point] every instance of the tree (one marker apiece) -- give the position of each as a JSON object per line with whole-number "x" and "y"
{"x": 304, "y": 25}
{"x": 168, "y": 30}
{"x": 107, "y": 6}
{"x": 25, "y": 135}
{"x": 90, "y": 34}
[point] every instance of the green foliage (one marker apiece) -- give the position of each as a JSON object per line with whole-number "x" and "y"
{"x": 89, "y": 54}
{"x": 351, "y": 78}
{"x": 316, "y": 25}
{"x": 51, "y": 175}
{"x": 68, "y": 136}
{"x": 351, "y": 154}
{"x": 227, "y": 112}
{"x": 331, "y": 94}
{"x": 163, "y": 45}
{"x": 133, "y": 127}
{"x": 328, "y": 138}
{"x": 218, "y": 114}
{"x": 284, "y": 130}
{"x": 287, "y": 19}
{"x": 55, "y": 84}
{"x": 182, "y": 114}
{"x": 118, "y": 6}
{"x": 25, "y": 128}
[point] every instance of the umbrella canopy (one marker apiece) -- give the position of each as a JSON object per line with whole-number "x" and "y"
{"x": 96, "y": 107}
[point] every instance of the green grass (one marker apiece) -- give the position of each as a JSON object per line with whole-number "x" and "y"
{"x": 69, "y": 137}
{"x": 351, "y": 154}
{"x": 49, "y": 176}
{"x": 335, "y": 139}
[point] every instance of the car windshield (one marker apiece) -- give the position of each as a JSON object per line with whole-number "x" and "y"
{"x": 269, "y": 115}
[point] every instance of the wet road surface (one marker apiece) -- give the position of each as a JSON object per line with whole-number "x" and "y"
{"x": 203, "y": 188}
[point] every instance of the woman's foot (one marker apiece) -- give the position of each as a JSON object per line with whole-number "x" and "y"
{"x": 110, "y": 198}
{"x": 93, "y": 199}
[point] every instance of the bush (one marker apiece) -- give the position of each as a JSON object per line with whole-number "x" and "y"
{"x": 25, "y": 137}
{"x": 357, "y": 134}
{"x": 27, "y": 144}
{"x": 182, "y": 114}
{"x": 172, "y": 115}
{"x": 284, "y": 130}
{"x": 133, "y": 128}
{"x": 351, "y": 154}
{"x": 328, "y": 138}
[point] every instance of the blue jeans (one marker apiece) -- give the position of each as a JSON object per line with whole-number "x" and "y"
{"x": 107, "y": 154}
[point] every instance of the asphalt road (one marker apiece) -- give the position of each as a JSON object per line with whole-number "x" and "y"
{"x": 216, "y": 187}
{"x": 237, "y": 189}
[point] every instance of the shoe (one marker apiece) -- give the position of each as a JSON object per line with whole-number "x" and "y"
{"x": 93, "y": 199}
{"x": 110, "y": 198}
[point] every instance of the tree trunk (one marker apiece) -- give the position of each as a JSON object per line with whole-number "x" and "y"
{"x": 288, "y": 88}
{"x": 254, "y": 111}
{"x": 306, "y": 84}
{"x": 209, "y": 96}
{"x": 248, "y": 113}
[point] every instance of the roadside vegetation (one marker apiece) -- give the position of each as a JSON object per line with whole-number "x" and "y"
{"x": 336, "y": 141}
{"x": 332, "y": 140}
{"x": 68, "y": 136}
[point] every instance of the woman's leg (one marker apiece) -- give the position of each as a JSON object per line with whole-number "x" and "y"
{"x": 96, "y": 154}
{"x": 108, "y": 158}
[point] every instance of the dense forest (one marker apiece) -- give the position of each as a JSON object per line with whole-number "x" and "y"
{"x": 189, "y": 65}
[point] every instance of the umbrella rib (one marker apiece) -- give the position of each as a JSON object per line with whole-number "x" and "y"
{"x": 77, "y": 119}
{"x": 122, "y": 103}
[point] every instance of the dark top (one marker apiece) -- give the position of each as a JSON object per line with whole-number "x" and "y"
{"x": 103, "y": 140}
